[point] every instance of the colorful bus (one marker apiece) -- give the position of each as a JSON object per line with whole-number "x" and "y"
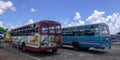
{"x": 40, "y": 36}
{"x": 87, "y": 36}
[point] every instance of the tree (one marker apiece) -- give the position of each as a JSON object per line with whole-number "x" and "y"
{"x": 2, "y": 29}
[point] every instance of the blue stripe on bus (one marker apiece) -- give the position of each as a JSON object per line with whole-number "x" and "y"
{"x": 85, "y": 45}
{"x": 88, "y": 38}
{"x": 93, "y": 39}
{"x": 81, "y": 41}
{"x": 87, "y": 41}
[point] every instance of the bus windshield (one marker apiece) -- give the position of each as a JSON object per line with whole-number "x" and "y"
{"x": 105, "y": 29}
{"x": 51, "y": 28}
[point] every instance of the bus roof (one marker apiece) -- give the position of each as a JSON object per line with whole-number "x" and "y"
{"x": 42, "y": 21}
{"x": 87, "y": 25}
{"x": 49, "y": 21}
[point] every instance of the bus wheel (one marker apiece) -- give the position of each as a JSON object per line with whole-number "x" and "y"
{"x": 76, "y": 46}
{"x": 54, "y": 50}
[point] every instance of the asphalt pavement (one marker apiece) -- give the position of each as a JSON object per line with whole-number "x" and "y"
{"x": 62, "y": 54}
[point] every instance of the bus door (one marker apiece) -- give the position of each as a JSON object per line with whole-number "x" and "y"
{"x": 105, "y": 34}
{"x": 52, "y": 35}
{"x": 47, "y": 35}
{"x": 44, "y": 35}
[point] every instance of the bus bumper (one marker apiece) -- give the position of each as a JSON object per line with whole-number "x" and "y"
{"x": 41, "y": 48}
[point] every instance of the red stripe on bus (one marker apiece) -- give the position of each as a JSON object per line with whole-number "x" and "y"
{"x": 40, "y": 48}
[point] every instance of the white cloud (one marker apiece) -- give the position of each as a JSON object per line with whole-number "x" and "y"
{"x": 7, "y": 25}
{"x": 30, "y": 21}
{"x": 112, "y": 20}
{"x": 96, "y": 17}
{"x": 13, "y": 8}
{"x": 1, "y": 11}
{"x": 33, "y": 10}
{"x": 14, "y": 26}
{"x": 5, "y": 5}
{"x": 1, "y": 24}
{"x": 75, "y": 22}
{"x": 77, "y": 16}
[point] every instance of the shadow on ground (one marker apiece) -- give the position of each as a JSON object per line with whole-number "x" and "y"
{"x": 40, "y": 53}
{"x": 91, "y": 51}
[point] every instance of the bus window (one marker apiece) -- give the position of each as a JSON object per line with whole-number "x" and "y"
{"x": 105, "y": 29}
{"x": 44, "y": 28}
{"x": 89, "y": 33}
{"x": 80, "y": 33}
{"x": 89, "y": 30}
{"x": 68, "y": 33}
{"x": 96, "y": 29}
{"x": 52, "y": 29}
{"x": 58, "y": 29}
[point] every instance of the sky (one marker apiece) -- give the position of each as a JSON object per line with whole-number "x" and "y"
{"x": 16, "y": 13}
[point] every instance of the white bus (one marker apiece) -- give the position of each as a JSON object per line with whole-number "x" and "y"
{"x": 40, "y": 36}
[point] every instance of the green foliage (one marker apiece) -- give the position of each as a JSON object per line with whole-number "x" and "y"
{"x": 2, "y": 30}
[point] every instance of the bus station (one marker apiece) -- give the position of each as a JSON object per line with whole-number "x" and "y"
{"x": 59, "y": 30}
{"x": 47, "y": 37}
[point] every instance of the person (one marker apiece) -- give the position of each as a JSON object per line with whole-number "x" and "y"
{"x": 18, "y": 42}
{"x": 10, "y": 42}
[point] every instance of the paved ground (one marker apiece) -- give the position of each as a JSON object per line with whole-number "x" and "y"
{"x": 69, "y": 54}
{"x": 6, "y": 53}
{"x": 66, "y": 54}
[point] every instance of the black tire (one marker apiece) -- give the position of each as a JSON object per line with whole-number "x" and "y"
{"x": 54, "y": 50}
{"x": 76, "y": 46}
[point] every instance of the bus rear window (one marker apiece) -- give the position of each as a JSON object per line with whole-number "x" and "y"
{"x": 44, "y": 28}
{"x": 58, "y": 29}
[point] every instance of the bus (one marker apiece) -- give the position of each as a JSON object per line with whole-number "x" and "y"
{"x": 40, "y": 36}
{"x": 87, "y": 36}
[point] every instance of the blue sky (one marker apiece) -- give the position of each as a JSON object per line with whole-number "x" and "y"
{"x": 68, "y": 12}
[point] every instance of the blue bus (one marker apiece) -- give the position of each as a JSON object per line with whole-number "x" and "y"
{"x": 87, "y": 36}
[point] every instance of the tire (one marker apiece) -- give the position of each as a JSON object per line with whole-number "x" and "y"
{"x": 54, "y": 50}
{"x": 76, "y": 46}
